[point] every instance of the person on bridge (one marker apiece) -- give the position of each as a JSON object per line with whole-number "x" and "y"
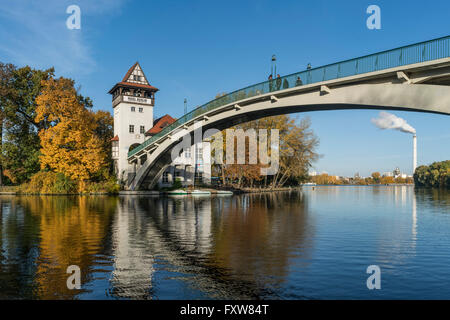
{"x": 270, "y": 83}
{"x": 278, "y": 82}
{"x": 285, "y": 84}
{"x": 298, "y": 82}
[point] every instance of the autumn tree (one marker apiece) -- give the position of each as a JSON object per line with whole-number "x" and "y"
{"x": 240, "y": 174}
{"x": 387, "y": 180}
{"x": 324, "y": 179}
{"x": 296, "y": 153}
{"x": 297, "y": 147}
{"x": 376, "y": 176}
{"x": 20, "y": 141}
{"x": 69, "y": 143}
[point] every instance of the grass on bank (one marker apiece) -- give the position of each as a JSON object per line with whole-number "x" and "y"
{"x": 46, "y": 182}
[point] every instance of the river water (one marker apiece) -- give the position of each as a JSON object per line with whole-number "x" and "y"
{"x": 315, "y": 243}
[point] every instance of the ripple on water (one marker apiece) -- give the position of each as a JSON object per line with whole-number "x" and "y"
{"x": 292, "y": 245}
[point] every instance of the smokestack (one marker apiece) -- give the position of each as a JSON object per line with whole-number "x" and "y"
{"x": 414, "y": 153}
{"x": 389, "y": 121}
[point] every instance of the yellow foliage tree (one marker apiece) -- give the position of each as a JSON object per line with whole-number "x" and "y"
{"x": 296, "y": 152}
{"x": 68, "y": 143}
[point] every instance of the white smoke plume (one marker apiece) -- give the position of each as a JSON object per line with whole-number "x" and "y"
{"x": 387, "y": 120}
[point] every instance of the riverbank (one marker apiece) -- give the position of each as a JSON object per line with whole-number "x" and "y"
{"x": 212, "y": 191}
{"x": 15, "y": 190}
{"x": 362, "y": 185}
{"x": 262, "y": 190}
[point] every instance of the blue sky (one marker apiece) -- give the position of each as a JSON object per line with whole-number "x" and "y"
{"x": 195, "y": 49}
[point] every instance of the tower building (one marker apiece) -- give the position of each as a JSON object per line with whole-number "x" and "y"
{"x": 133, "y": 100}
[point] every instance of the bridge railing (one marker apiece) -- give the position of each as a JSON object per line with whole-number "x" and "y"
{"x": 415, "y": 53}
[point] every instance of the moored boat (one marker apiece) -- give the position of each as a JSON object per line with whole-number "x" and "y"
{"x": 224, "y": 192}
{"x": 177, "y": 192}
{"x": 200, "y": 192}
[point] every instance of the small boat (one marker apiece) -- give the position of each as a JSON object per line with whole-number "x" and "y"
{"x": 200, "y": 192}
{"x": 224, "y": 192}
{"x": 177, "y": 192}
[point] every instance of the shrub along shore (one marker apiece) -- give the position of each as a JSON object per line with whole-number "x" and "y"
{"x": 436, "y": 175}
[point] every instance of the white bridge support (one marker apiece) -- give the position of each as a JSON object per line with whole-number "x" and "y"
{"x": 422, "y": 87}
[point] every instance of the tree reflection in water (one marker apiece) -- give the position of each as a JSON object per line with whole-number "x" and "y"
{"x": 42, "y": 236}
{"x": 247, "y": 246}
{"x": 235, "y": 247}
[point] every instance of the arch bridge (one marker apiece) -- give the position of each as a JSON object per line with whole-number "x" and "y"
{"x": 409, "y": 78}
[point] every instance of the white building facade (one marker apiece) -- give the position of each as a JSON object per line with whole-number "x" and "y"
{"x": 133, "y": 100}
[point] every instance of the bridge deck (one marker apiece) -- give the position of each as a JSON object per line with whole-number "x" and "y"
{"x": 412, "y": 54}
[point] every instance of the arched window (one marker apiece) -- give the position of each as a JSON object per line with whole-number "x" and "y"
{"x": 133, "y": 146}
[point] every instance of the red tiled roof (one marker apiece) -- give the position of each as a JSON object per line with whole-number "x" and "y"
{"x": 127, "y": 75}
{"x": 160, "y": 124}
{"x": 124, "y": 82}
{"x": 116, "y": 138}
{"x": 130, "y": 84}
{"x": 133, "y": 85}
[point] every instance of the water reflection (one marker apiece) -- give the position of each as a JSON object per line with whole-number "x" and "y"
{"x": 42, "y": 236}
{"x": 396, "y": 243}
{"x": 273, "y": 245}
{"x": 133, "y": 261}
{"x": 414, "y": 218}
{"x": 231, "y": 247}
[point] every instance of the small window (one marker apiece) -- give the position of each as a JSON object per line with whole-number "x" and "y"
{"x": 187, "y": 153}
{"x": 165, "y": 177}
{"x": 133, "y": 109}
{"x": 131, "y": 128}
{"x": 141, "y": 110}
{"x": 142, "y": 130}
{"x": 199, "y": 153}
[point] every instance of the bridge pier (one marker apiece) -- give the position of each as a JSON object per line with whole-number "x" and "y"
{"x": 131, "y": 172}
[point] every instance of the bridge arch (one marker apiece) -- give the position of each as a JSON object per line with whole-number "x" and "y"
{"x": 381, "y": 96}
{"x": 409, "y": 78}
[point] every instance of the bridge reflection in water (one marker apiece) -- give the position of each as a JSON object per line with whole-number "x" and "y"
{"x": 310, "y": 244}
{"x": 222, "y": 248}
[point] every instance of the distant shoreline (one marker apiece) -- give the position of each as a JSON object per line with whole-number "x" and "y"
{"x": 362, "y": 185}
{"x": 212, "y": 190}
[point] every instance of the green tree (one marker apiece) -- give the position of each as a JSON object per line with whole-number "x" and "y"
{"x": 6, "y": 72}
{"x": 20, "y": 141}
{"x": 436, "y": 175}
{"x": 104, "y": 130}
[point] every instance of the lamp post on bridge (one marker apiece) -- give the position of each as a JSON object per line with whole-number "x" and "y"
{"x": 185, "y": 105}
{"x": 273, "y": 70}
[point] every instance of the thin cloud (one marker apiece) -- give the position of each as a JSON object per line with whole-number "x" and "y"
{"x": 35, "y": 34}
